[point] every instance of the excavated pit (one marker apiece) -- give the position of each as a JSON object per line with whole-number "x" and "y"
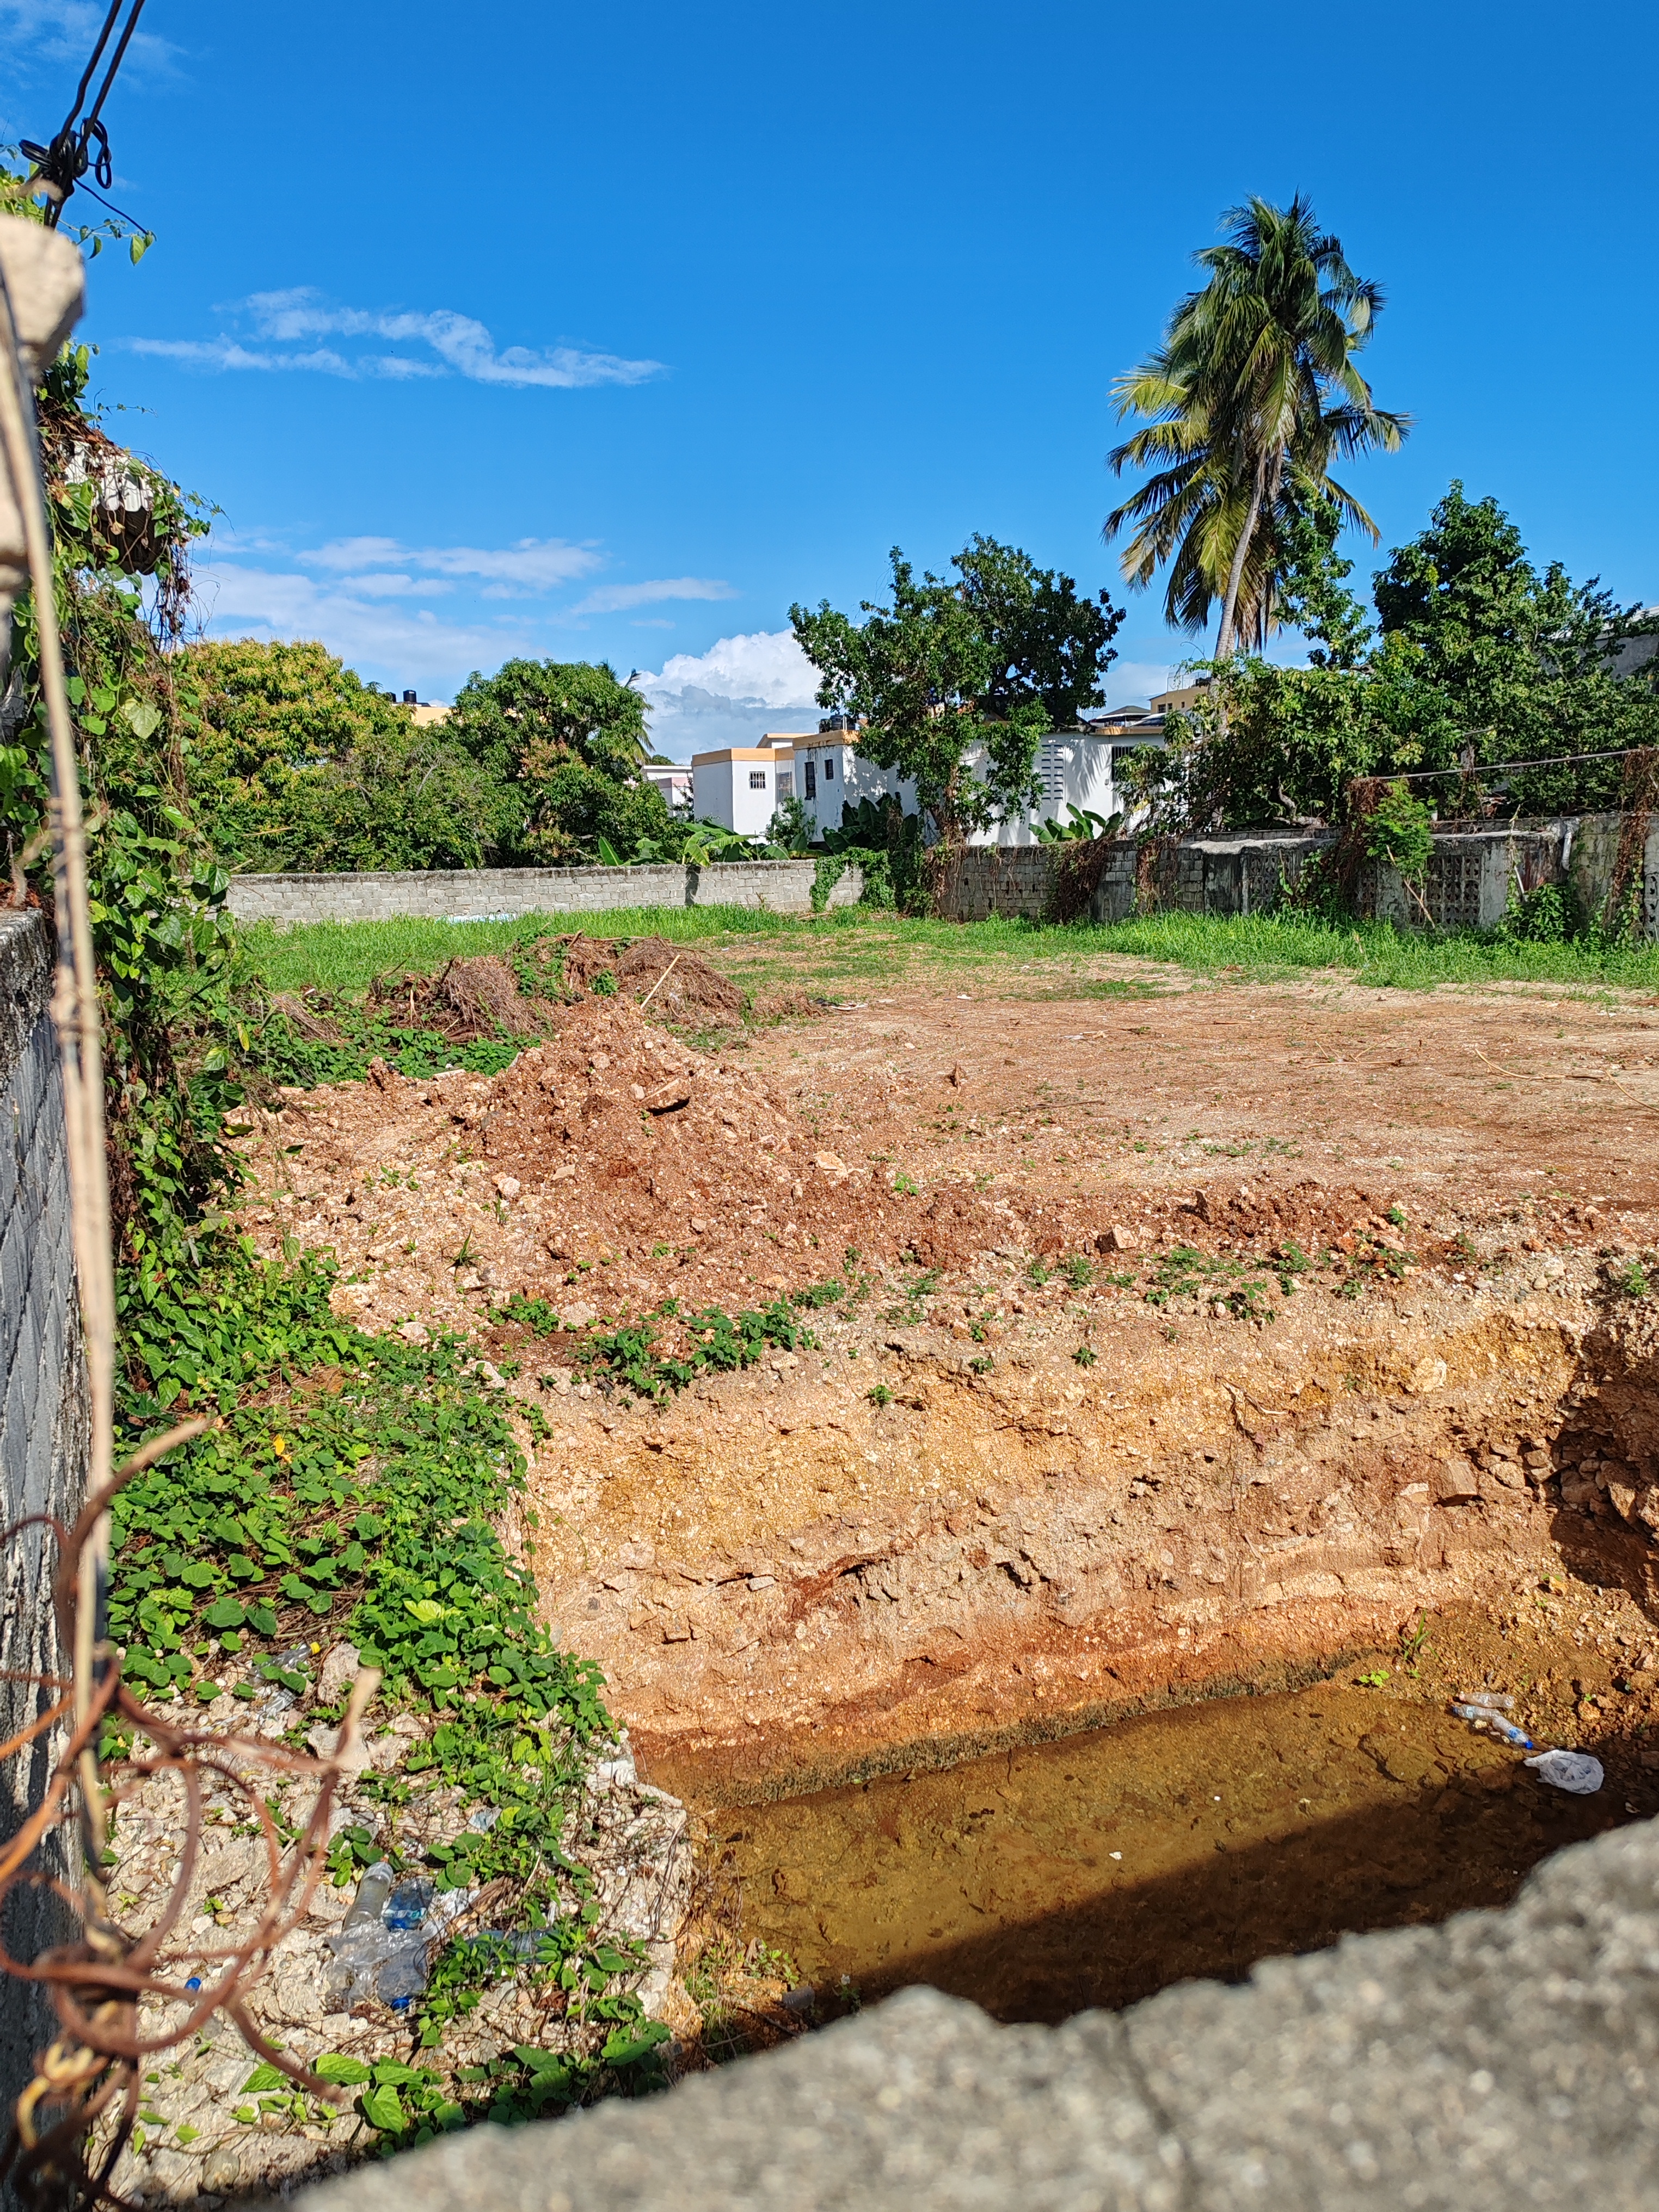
{"x": 1112, "y": 1458}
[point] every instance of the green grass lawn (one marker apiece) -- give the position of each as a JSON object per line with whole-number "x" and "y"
{"x": 856, "y": 951}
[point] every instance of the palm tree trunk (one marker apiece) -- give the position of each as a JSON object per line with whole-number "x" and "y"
{"x": 1225, "y": 643}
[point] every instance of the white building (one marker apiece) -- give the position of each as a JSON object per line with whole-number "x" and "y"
{"x": 830, "y": 773}
{"x": 740, "y": 788}
{"x": 674, "y": 783}
{"x": 1079, "y": 768}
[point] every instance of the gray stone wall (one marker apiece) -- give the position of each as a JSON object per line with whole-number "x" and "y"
{"x": 1507, "y": 2059}
{"x": 1472, "y": 876}
{"x": 43, "y": 1423}
{"x": 498, "y": 893}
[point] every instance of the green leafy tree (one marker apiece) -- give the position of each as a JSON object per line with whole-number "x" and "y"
{"x": 294, "y": 761}
{"x": 1313, "y": 593}
{"x": 1253, "y": 394}
{"x": 958, "y": 680}
{"x": 1480, "y": 658}
{"x": 563, "y": 742}
{"x": 1523, "y": 662}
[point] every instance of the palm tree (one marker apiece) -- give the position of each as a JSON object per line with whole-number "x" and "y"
{"x": 1252, "y": 394}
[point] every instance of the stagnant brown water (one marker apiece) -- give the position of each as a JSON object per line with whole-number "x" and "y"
{"x": 1195, "y": 1841}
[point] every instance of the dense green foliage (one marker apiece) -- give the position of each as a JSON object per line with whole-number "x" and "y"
{"x": 958, "y": 681}
{"x": 1252, "y": 394}
{"x": 1479, "y": 658}
{"x": 293, "y": 761}
{"x": 176, "y": 1014}
{"x": 561, "y": 742}
{"x": 353, "y": 1486}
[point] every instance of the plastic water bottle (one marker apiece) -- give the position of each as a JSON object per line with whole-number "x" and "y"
{"x": 1497, "y": 1701}
{"x": 372, "y": 1892}
{"x": 409, "y": 1903}
{"x": 1483, "y": 1717}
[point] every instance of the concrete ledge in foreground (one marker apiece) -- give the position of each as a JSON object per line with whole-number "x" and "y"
{"x": 1506, "y": 2060}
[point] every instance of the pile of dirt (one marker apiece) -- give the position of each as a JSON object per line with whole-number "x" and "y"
{"x": 466, "y": 1000}
{"x": 680, "y": 986}
{"x": 631, "y": 1139}
{"x": 612, "y": 1166}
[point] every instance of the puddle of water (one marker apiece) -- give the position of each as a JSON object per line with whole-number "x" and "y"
{"x": 1096, "y": 1870}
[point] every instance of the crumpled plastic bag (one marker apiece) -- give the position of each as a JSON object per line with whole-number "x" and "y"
{"x": 1569, "y": 1769}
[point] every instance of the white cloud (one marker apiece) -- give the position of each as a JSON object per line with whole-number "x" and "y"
{"x": 766, "y": 668}
{"x": 740, "y": 688}
{"x": 422, "y": 614}
{"x": 462, "y": 346}
{"x": 1131, "y": 683}
{"x": 399, "y": 644}
{"x": 534, "y": 564}
{"x": 388, "y": 584}
{"x": 617, "y": 599}
{"x": 56, "y": 31}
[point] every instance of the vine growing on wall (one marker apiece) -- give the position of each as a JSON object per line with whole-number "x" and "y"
{"x": 177, "y": 1000}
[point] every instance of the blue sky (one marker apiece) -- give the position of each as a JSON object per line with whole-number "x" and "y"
{"x": 607, "y": 332}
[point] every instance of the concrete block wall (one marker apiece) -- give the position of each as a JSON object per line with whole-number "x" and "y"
{"x": 43, "y": 1428}
{"x": 502, "y": 894}
{"x": 1471, "y": 875}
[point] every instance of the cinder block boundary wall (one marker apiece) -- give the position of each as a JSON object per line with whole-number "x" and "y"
{"x": 43, "y": 1421}
{"x": 1507, "y": 2059}
{"x": 1471, "y": 875}
{"x": 502, "y": 894}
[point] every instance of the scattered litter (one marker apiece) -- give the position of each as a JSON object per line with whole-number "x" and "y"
{"x": 1569, "y": 1769}
{"x": 800, "y": 2000}
{"x": 382, "y": 1946}
{"x": 1500, "y": 1701}
{"x": 1483, "y": 1717}
{"x": 616, "y": 1772}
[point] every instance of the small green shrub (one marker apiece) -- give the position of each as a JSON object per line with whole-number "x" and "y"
{"x": 1398, "y": 831}
{"x": 1539, "y": 916}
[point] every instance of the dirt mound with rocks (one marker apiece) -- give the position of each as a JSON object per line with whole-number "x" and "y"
{"x": 678, "y": 985}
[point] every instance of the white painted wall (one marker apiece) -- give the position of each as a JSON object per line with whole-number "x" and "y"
{"x": 739, "y": 788}
{"x": 830, "y": 773}
{"x": 1074, "y": 770}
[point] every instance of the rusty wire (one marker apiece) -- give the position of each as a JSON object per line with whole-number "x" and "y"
{"x": 89, "y": 2080}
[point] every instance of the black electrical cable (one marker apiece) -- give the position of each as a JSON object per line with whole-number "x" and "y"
{"x": 61, "y": 166}
{"x": 120, "y": 212}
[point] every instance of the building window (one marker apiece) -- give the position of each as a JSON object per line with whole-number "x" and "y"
{"x": 757, "y": 779}
{"x": 829, "y": 771}
{"x": 812, "y": 780}
{"x": 786, "y": 784}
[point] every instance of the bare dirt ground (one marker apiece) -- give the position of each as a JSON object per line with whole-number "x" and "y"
{"x": 1182, "y": 1335}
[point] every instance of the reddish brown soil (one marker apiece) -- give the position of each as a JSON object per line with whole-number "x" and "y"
{"x": 780, "y": 1571}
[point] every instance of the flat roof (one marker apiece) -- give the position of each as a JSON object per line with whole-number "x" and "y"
{"x": 734, "y": 753}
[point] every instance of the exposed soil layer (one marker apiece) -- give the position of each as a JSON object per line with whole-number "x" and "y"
{"x": 1189, "y": 1348}
{"x": 1096, "y": 1870}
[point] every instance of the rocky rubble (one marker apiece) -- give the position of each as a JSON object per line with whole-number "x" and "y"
{"x": 204, "y": 2134}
